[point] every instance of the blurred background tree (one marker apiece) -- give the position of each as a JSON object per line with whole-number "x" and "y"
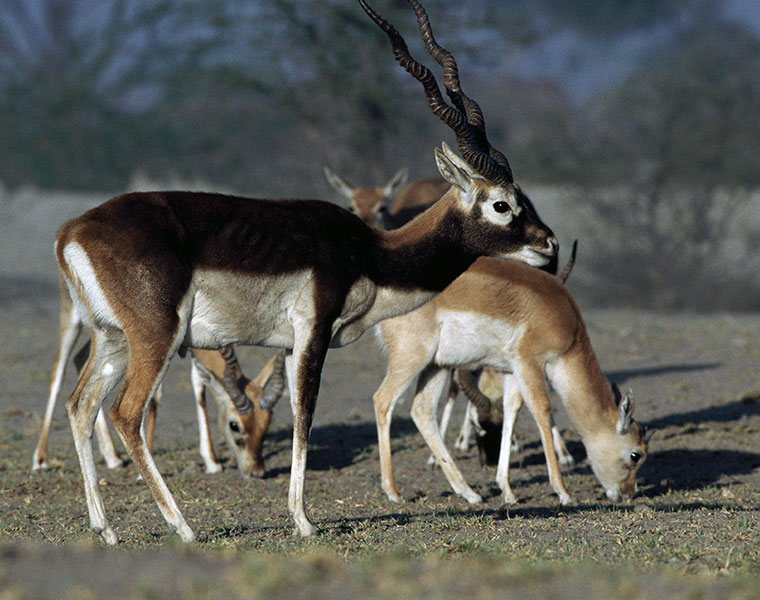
{"x": 656, "y": 100}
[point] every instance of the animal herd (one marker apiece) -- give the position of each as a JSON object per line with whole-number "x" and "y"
{"x": 455, "y": 275}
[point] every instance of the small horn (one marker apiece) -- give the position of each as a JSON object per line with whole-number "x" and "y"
{"x": 480, "y": 401}
{"x": 570, "y": 263}
{"x": 276, "y": 383}
{"x": 232, "y": 378}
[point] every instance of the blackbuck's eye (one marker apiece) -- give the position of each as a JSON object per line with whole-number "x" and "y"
{"x": 500, "y": 206}
{"x": 234, "y": 426}
{"x": 635, "y": 457}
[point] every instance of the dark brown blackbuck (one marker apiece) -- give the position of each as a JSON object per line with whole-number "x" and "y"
{"x": 155, "y": 273}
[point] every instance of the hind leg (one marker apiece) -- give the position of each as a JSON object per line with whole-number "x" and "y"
{"x": 149, "y": 355}
{"x": 69, "y": 327}
{"x": 399, "y": 376}
{"x": 102, "y": 372}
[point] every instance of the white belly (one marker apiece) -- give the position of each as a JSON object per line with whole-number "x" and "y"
{"x": 247, "y": 309}
{"x": 472, "y": 341}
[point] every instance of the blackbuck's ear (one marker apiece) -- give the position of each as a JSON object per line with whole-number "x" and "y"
{"x": 625, "y": 413}
{"x": 456, "y": 171}
{"x": 398, "y": 181}
{"x": 340, "y": 185}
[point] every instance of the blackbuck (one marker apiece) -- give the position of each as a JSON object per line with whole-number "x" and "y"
{"x": 386, "y": 207}
{"x": 155, "y": 273}
{"x": 523, "y": 322}
{"x": 244, "y": 406}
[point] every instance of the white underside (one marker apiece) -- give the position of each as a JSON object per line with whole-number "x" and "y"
{"x": 470, "y": 340}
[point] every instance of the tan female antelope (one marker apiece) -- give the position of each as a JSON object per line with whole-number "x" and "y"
{"x": 518, "y": 320}
{"x": 371, "y": 204}
{"x": 154, "y": 273}
{"x": 244, "y": 408}
{"x": 484, "y": 412}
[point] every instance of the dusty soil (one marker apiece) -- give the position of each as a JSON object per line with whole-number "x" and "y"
{"x": 695, "y": 378}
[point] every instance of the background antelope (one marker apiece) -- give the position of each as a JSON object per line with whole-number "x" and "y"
{"x": 371, "y": 204}
{"x": 245, "y": 411}
{"x": 519, "y": 320}
{"x": 154, "y": 273}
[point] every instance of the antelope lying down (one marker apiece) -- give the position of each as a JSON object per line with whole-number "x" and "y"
{"x": 245, "y": 410}
{"x": 154, "y": 273}
{"x": 523, "y": 322}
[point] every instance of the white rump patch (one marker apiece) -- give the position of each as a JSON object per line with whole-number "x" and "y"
{"x": 80, "y": 265}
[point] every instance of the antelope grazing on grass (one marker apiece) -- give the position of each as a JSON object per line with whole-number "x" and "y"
{"x": 154, "y": 273}
{"x": 518, "y": 320}
{"x": 484, "y": 413}
{"x": 245, "y": 410}
{"x": 371, "y": 204}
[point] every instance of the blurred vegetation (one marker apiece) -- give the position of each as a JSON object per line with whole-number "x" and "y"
{"x": 257, "y": 96}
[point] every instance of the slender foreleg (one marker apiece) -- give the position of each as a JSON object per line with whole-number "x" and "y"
{"x": 532, "y": 383}
{"x": 304, "y": 368}
{"x": 511, "y": 401}
{"x": 432, "y": 384}
{"x": 204, "y": 435}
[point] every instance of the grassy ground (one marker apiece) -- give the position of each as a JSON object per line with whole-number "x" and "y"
{"x": 693, "y": 531}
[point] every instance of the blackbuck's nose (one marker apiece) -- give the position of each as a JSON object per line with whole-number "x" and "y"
{"x": 552, "y": 246}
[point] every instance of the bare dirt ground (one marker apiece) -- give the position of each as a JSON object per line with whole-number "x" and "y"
{"x": 695, "y": 378}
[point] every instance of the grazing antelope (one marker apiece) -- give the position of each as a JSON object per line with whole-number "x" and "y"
{"x": 154, "y": 273}
{"x": 245, "y": 411}
{"x": 519, "y": 320}
{"x": 371, "y": 204}
{"x": 484, "y": 412}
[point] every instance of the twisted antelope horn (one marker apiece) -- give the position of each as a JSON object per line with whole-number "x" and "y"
{"x": 464, "y": 118}
{"x": 570, "y": 263}
{"x": 464, "y": 103}
{"x": 480, "y": 401}
{"x": 276, "y": 383}
{"x": 231, "y": 380}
